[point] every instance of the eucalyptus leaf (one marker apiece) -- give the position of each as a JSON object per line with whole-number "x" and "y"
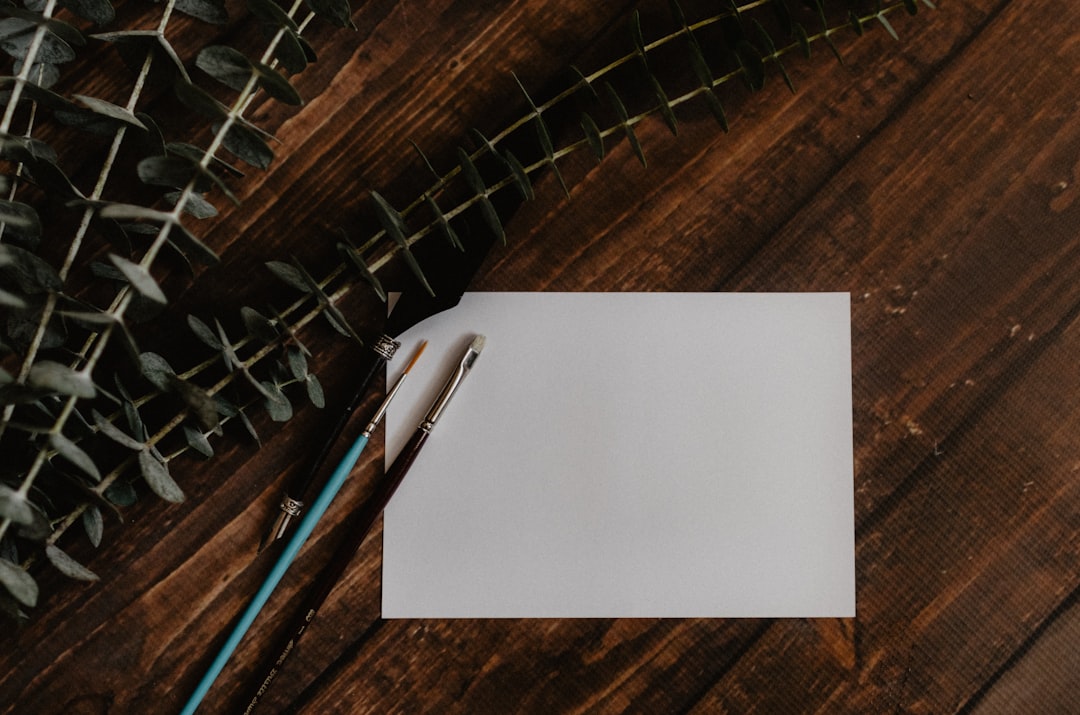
{"x": 157, "y": 477}
{"x": 270, "y": 12}
{"x": 99, "y": 12}
{"x": 66, "y": 32}
{"x": 315, "y": 391}
{"x": 337, "y": 12}
{"x": 277, "y": 404}
{"x": 225, "y": 408}
{"x": 33, "y": 93}
{"x": 227, "y": 65}
{"x": 121, "y": 494}
{"x": 521, "y": 177}
{"x": 56, "y": 377}
{"x": 751, "y": 64}
{"x": 666, "y": 111}
{"x": 203, "y": 332}
{"x": 67, "y": 565}
{"x": 771, "y": 53}
{"x": 30, "y": 273}
{"x": 139, "y": 278}
{"x": 624, "y": 119}
{"x": 111, "y": 111}
{"x": 195, "y": 205}
{"x": 75, "y": 455}
{"x": 198, "y": 441}
{"x": 172, "y": 171}
{"x": 157, "y": 370}
{"x": 357, "y": 261}
{"x": 212, "y": 11}
{"x": 394, "y": 226}
{"x": 444, "y": 224}
{"x": 17, "y": 34}
{"x": 186, "y": 242}
{"x": 93, "y": 524}
{"x": 291, "y": 50}
{"x": 246, "y": 421}
{"x": 11, "y": 300}
{"x": 298, "y": 365}
{"x": 197, "y": 99}
{"x": 472, "y": 177}
{"x": 114, "y": 433}
{"x": 14, "y": 506}
{"x": 198, "y": 401}
{"x": 276, "y": 85}
{"x": 593, "y": 136}
{"x": 20, "y": 222}
{"x": 248, "y": 146}
{"x": 887, "y": 25}
{"x": 289, "y": 275}
{"x": 19, "y": 583}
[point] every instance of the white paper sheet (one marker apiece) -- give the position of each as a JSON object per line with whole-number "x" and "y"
{"x": 628, "y": 455}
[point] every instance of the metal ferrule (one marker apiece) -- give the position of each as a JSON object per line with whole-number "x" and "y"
{"x": 381, "y": 412}
{"x": 448, "y": 390}
{"x": 289, "y": 508}
{"x": 385, "y": 347}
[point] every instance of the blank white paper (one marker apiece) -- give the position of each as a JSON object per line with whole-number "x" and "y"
{"x": 628, "y": 455}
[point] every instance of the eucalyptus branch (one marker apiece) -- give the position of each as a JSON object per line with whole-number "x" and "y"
{"x": 374, "y": 254}
{"x": 138, "y": 274}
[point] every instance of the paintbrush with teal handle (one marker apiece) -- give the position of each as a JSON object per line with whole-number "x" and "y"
{"x": 303, "y": 531}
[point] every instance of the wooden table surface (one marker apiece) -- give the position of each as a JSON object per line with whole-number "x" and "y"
{"x": 936, "y": 179}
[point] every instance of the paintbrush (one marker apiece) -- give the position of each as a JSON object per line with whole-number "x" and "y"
{"x": 359, "y": 526}
{"x": 303, "y": 531}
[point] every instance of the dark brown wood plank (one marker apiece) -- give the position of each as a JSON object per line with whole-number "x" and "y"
{"x": 1045, "y": 677}
{"x": 935, "y": 179}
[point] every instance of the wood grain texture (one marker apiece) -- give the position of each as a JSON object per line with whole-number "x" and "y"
{"x": 935, "y": 179}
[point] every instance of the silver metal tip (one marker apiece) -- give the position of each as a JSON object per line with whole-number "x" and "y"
{"x": 478, "y": 343}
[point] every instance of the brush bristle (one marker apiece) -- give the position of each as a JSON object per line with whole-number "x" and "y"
{"x": 416, "y": 355}
{"x": 478, "y": 343}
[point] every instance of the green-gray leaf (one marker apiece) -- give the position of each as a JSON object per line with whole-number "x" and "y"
{"x": 199, "y": 401}
{"x": 289, "y": 275}
{"x": 227, "y": 65}
{"x": 99, "y": 12}
{"x": 55, "y": 377}
{"x": 203, "y": 332}
{"x": 315, "y": 391}
{"x": 198, "y": 441}
{"x": 394, "y": 226}
{"x": 157, "y": 477}
{"x": 336, "y": 11}
{"x": 276, "y": 85}
{"x": 297, "y": 362}
{"x": 20, "y": 221}
{"x": 277, "y": 404}
{"x": 31, "y": 274}
{"x": 258, "y": 325}
{"x": 14, "y": 506}
{"x": 139, "y": 278}
{"x": 19, "y": 584}
{"x": 248, "y": 146}
{"x": 110, "y": 111}
{"x": 114, "y": 433}
{"x": 75, "y": 455}
{"x": 94, "y": 524}
{"x": 270, "y": 12}
{"x": 212, "y": 11}
{"x": 156, "y": 370}
{"x": 67, "y": 565}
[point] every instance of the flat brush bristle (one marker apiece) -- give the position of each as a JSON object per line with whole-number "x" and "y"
{"x": 416, "y": 356}
{"x": 478, "y": 343}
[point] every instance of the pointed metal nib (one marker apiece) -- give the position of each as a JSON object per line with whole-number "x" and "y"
{"x": 288, "y": 509}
